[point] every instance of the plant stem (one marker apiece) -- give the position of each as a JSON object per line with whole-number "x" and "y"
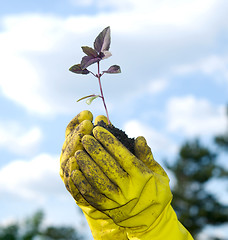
{"x": 102, "y": 95}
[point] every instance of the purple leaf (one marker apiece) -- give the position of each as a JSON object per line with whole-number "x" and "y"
{"x": 103, "y": 41}
{"x": 77, "y": 69}
{"x": 89, "y": 60}
{"x": 113, "y": 69}
{"x": 89, "y": 51}
{"x": 106, "y": 54}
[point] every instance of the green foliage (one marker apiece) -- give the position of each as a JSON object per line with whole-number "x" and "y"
{"x": 60, "y": 233}
{"x": 222, "y": 141}
{"x": 32, "y": 228}
{"x": 194, "y": 205}
{"x": 9, "y": 232}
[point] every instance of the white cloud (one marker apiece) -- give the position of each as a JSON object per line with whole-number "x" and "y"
{"x": 21, "y": 80}
{"x": 178, "y": 13}
{"x": 175, "y": 12}
{"x": 21, "y": 83}
{"x": 157, "y": 85}
{"x": 37, "y": 50}
{"x": 17, "y": 139}
{"x": 35, "y": 179}
{"x": 213, "y": 65}
{"x": 156, "y": 140}
{"x": 191, "y": 116}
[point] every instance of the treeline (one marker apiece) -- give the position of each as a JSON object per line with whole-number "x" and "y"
{"x": 32, "y": 228}
{"x": 195, "y": 166}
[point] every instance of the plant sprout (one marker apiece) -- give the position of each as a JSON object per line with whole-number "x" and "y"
{"x": 95, "y": 55}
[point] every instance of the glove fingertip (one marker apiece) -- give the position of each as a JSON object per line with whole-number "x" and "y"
{"x": 101, "y": 118}
{"x": 141, "y": 140}
{"x": 84, "y": 115}
{"x": 141, "y": 146}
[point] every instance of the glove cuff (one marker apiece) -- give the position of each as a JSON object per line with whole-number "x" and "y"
{"x": 166, "y": 226}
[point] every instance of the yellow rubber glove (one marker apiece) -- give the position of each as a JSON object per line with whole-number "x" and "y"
{"x": 132, "y": 190}
{"x": 102, "y": 226}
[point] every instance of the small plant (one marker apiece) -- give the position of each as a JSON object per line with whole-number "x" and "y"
{"x": 95, "y": 55}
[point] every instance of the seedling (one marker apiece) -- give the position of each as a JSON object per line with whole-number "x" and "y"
{"x": 95, "y": 55}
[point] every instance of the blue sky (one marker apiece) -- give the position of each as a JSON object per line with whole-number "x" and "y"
{"x": 173, "y": 85}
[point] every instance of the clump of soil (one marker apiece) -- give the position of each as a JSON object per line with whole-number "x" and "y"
{"x": 120, "y": 135}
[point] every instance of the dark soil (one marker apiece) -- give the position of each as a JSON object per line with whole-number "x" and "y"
{"x": 120, "y": 135}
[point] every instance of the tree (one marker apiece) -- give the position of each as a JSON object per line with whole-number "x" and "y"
{"x": 33, "y": 227}
{"x": 61, "y": 233}
{"x": 194, "y": 205}
{"x": 9, "y": 232}
{"x": 222, "y": 140}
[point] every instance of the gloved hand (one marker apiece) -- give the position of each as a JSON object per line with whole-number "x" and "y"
{"x": 102, "y": 226}
{"x": 133, "y": 190}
